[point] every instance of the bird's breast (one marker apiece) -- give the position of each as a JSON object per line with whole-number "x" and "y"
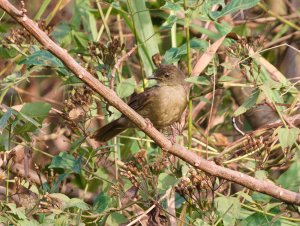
{"x": 167, "y": 105}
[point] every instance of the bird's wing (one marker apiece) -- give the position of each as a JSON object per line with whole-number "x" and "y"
{"x": 140, "y": 100}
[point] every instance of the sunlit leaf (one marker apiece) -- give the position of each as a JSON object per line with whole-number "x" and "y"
{"x": 288, "y": 136}
{"x": 76, "y": 202}
{"x": 172, "y": 6}
{"x": 126, "y": 87}
{"x": 232, "y": 7}
{"x": 290, "y": 179}
{"x": 36, "y": 110}
{"x": 4, "y": 119}
{"x": 229, "y": 209}
{"x": 199, "y": 80}
{"x": 19, "y": 212}
{"x": 144, "y": 32}
{"x": 249, "y": 103}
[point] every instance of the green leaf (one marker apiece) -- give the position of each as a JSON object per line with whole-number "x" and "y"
{"x": 42, "y": 58}
{"x": 172, "y": 6}
{"x": 166, "y": 181}
{"x": 12, "y": 78}
{"x": 171, "y": 56}
{"x": 56, "y": 184}
{"x": 61, "y": 220}
{"x": 232, "y": 7}
{"x": 249, "y": 103}
{"x": 102, "y": 222}
{"x": 126, "y": 87}
{"x": 46, "y": 59}
{"x": 229, "y": 209}
{"x": 26, "y": 222}
{"x": 59, "y": 196}
{"x": 93, "y": 25}
{"x": 42, "y": 9}
{"x": 245, "y": 196}
{"x": 288, "y": 136}
{"x": 72, "y": 80}
{"x": 260, "y": 197}
{"x": 116, "y": 5}
{"x": 76, "y": 144}
{"x": 260, "y": 219}
{"x": 7, "y": 52}
{"x": 69, "y": 203}
{"x": 223, "y": 28}
{"x": 30, "y": 117}
{"x": 80, "y": 38}
{"x": 116, "y": 219}
{"x": 19, "y": 212}
{"x": 144, "y": 32}
{"x": 261, "y": 175}
{"x": 2, "y": 218}
{"x": 290, "y": 179}
{"x": 66, "y": 161}
{"x": 4, "y": 119}
{"x": 226, "y": 78}
{"x": 199, "y": 80}
{"x": 175, "y": 54}
{"x": 101, "y": 202}
{"x": 76, "y": 202}
{"x": 36, "y": 110}
{"x": 169, "y": 22}
{"x": 200, "y": 222}
{"x": 62, "y": 33}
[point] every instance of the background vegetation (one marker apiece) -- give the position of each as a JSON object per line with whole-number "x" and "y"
{"x": 53, "y": 173}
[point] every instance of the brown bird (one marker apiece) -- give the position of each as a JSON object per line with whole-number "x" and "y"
{"x": 163, "y": 104}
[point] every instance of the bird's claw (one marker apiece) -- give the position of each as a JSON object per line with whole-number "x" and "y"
{"x": 174, "y": 134}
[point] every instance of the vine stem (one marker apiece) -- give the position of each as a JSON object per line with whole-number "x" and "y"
{"x": 189, "y": 64}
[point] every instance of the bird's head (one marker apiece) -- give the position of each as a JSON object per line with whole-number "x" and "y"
{"x": 168, "y": 75}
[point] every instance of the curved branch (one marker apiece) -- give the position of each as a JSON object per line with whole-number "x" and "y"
{"x": 110, "y": 96}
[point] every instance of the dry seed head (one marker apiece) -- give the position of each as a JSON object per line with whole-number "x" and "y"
{"x": 2, "y": 175}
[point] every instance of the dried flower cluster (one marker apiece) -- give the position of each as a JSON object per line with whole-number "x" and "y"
{"x": 20, "y": 36}
{"x": 198, "y": 189}
{"x": 77, "y": 106}
{"x": 105, "y": 54}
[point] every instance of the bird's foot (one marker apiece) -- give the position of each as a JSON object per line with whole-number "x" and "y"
{"x": 174, "y": 134}
{"x": 149, "y": 124}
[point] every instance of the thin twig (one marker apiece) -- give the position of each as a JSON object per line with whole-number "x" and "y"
{"x": 118, "y": 63}
{"x": 265, "y": 19}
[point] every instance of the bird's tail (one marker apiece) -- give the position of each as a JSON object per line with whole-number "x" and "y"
{"x": 109, "y": 131}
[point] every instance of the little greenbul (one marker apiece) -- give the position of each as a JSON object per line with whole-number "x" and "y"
{"x": 163, "y": 104}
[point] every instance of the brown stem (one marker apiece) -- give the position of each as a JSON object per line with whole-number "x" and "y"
{"x": 111, "y": 97}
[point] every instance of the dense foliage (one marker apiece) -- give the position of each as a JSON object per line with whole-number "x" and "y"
{"x": 53, "y": 173}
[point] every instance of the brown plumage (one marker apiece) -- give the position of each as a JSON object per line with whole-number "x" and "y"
{"x": 163, "y": 104}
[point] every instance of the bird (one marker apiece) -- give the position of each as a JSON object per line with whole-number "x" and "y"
{"x": 162, "y": 104}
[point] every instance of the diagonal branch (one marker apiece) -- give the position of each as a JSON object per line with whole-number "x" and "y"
{"x": 110, "y": 96}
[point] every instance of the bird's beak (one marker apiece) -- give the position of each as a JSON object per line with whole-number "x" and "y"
{"x": 153, "y": 77}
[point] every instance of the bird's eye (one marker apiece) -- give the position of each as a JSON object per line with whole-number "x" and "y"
{"x": 167, "y": 75}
